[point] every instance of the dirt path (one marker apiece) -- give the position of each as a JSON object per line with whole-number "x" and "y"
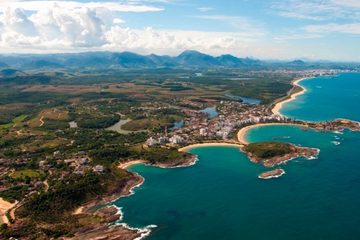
{"x": 46, "y": 185}
{"x": 42, "y": 121}
{"x": 4, "y": 207}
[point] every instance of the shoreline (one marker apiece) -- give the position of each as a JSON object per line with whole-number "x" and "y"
{"x": 135, "y": 181}
{"x": 276, "y": 173}
{"x": 197, "y": 145}
{"x": 291, "y": 96}
{"x": 241, "y": 135}
{"x": 143, "y": 231}
{"x": 110, "y": 227}
{"x": 126, "y": 165}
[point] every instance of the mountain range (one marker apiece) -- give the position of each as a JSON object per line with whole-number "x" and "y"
{"x": 128, "y": 60}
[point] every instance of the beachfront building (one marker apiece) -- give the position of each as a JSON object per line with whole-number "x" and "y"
{"x": 203, "y": 132}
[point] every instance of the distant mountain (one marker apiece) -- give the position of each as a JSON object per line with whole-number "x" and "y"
{"x": 38, "y": 64}
{"x": 194, "y": 58}
{"x": 298, "y": 63}
{"x": 127, "y": 60}
{"x": 133, "y": 60}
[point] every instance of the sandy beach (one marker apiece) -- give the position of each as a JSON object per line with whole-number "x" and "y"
{"x": 184, "y": 149}
{"x": 241, "y": 136}
{"x": 4, "y": 207}
{"x": 130, "y": 163}
{"x": 278, "y": 106}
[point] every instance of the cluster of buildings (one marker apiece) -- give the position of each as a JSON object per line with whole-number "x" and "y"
{"x": 232, "y": 115}
{"x": 79, "y": 164}
{"x": 174, "y": 139}
{"x": 296, "y": 73}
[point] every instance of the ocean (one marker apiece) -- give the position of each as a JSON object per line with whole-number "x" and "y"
{"x": 221, "y": 197}
{"x": 327, "y": 98}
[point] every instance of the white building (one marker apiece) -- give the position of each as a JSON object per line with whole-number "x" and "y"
{"x": 176, "y": 139}
{"x": 151, "y": 142}
{"x": 203, "y": 132}
{"x": 99, "y": 168}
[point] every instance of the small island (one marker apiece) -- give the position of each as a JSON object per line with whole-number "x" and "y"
{"x": 276, "y": 173}
{"x": 275, "y": 153}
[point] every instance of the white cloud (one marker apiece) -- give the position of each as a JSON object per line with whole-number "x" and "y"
{"x": 64, "y": 26}
{"x": 70, "y": 5}
{"x": 348, "y": 3}
{"x": 118, "y": 20}
{"x": 297, "y": 36}
{"x": 16, "y": 21}
{"x": 173, "y": 41}
{"x": 51, "y": 27}
{"x": 239, "y": 23}
{"x": 351, "y": 28}
{"x": 73, "y": 26}
{"x": 205, "y": 9}
{"x": 318, "y": 10}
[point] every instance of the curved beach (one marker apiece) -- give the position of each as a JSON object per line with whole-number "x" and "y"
{"x": 291, "y": 97}
{"x": 184, "y": 149}
{"x": 241, "y": 136}
{"x": 126, "y": 165}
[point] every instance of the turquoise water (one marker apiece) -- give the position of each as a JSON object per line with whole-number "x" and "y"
{"x": 327, "y": 98}
{"x": 221, "y": 197}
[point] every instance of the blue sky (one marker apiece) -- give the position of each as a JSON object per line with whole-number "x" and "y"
{"x": 272, "y": 29}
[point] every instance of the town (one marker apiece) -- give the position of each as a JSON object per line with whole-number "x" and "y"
{"x": 230, "y": 116}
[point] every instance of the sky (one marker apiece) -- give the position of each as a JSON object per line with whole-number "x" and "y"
{"x": 264, "y": 29}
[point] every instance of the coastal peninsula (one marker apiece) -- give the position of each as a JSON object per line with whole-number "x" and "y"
{"x": 271, "y": 154}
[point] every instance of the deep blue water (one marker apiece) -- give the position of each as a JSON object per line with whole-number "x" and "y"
{"x": 221, "y": 197}
{"x": 327, "y": 98}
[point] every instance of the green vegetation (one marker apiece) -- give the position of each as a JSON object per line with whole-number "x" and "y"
{"x": 164, "y": 155}
{"x": 55, "y": 125}
{"x": 90, "y": 121}
{"x": 27, "y": 173}
{"x": 15, "y": 121}
{"x": 109, "y": 155}
{"x": 14, "y": 193}
{"x": 64, "y": 196}
{"x": 37, "y": 144}
{"x": 265, "y": 150}
{"x": 148, "y": 124}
